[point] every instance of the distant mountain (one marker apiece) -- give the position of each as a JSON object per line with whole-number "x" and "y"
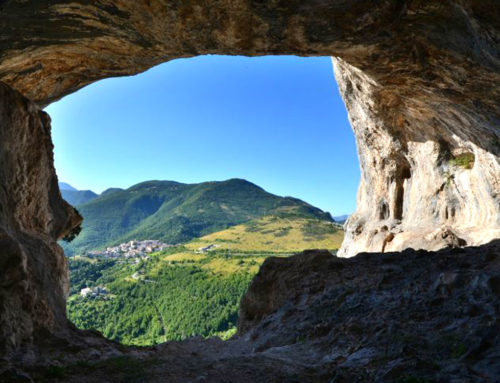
{"x": 76, "y": 197}
{"x": 65, "y": 186}
{"x": 110, "y": 190}
{"x": 341, "y": 218}
{"x": 173, "y": 212}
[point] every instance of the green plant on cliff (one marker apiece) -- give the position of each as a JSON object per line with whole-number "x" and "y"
{"x": 448, "y": 178}
{"x": 464, "y": 160}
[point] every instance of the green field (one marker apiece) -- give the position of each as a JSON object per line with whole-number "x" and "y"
{"x": 275, "y": 234}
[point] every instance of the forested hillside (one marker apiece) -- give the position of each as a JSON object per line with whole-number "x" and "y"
{"x": 175, "y": 213}
{"x": 188, "y": 290}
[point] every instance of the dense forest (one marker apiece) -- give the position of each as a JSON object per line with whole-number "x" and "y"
{"x": 169, "y": 301}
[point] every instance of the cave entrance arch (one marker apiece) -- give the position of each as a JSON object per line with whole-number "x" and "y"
{"x": 287, "y": 122}
{"x": 420, "y": 81}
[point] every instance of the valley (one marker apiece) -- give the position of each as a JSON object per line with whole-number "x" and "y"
{"x": 145, "y": 291}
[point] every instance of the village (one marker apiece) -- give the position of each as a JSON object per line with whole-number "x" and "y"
{"x": 135, "y": 250}
{"x": 132, "y": 249}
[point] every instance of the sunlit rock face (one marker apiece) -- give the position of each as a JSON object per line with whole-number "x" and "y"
{"x": 421, "y": 81}
{"x": 430, "y": 171}
{"x": 33, "y": 273}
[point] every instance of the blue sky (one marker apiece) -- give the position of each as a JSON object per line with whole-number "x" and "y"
{"x": 276, "y": 121}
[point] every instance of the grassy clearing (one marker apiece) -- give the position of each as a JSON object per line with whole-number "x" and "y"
{"x": 184, "y": 256}
{"x": 274, "y": 234}
{"x": 224, "y": 266}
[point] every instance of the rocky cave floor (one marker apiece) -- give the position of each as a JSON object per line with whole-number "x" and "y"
{"x": 413, "y": 317}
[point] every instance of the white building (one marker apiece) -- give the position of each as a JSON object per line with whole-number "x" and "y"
{"x": 93, "y": 292}
{"x": 86, "y": 292}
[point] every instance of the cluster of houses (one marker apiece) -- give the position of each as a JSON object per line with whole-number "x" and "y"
{"x": 205, "y": 249}
{"x": 94, "y": 292}
{"x": 132, "y": 249}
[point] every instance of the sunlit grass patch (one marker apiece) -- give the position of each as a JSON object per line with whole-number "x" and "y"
{"x": 275, "y": 234}
{"x": 225, "y": 265}
{"x": 184, "y": 256}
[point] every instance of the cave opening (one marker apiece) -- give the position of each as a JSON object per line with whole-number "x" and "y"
{"x": 412, "y": 74}
{"x": 277, "y": 122}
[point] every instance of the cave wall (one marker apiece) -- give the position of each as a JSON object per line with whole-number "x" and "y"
{"x": 430, "y": 169}
{"x": 421, "y": 81}
{"x": 33, "y": 273}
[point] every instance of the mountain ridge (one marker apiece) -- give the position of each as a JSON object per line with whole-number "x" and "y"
{"x": 66, "y": 186}
{"x": 175, "y": 212}
{"x": 74, "y": 196}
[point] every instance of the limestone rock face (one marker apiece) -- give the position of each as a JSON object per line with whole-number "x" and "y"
{"x": 53, "y": 47}
{"x": 34, "y": 277}
{"x": 430, "y": 169}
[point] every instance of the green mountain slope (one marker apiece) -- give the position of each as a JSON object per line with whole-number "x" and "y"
{"x": 78, "y": 197}
{"x": 174, "y": 212}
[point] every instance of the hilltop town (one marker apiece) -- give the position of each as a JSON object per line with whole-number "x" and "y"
{"x": 132, "y": 249}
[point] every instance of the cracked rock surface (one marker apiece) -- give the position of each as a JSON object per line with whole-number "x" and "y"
{"x": 33, "y": 273}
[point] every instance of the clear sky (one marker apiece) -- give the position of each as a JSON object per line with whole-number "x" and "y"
{"x": 278, "y": 122}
